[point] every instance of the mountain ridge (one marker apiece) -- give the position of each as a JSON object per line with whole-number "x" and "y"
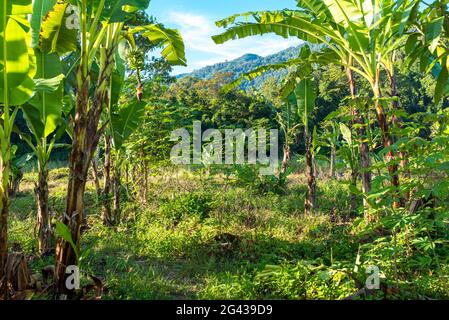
{"x": 245, "y": 64}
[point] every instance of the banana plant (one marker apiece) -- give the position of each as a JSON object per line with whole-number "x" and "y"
{"x": 306, "y": 94}
{"x": 123, "y": 118}
{"x": 361, "y": 35}
{"x": 349, "y": 153}
{"x": 301, "y": 87}
{"x": 316, "y": 148}
{"x": 17, "y": 165}
{"x": 43, "y": 112}
{"x": 288, "y": 121}
{"x": 102, "y": 27}
{"x": 331, "y": 137}
{"x": 124, "y": 122}
{"x": 17, "y": 70}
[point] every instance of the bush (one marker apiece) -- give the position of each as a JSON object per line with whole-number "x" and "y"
{"x": 303, "y": 280}
{"x": 249, "y": 177}
{"x": 187, "y": 205}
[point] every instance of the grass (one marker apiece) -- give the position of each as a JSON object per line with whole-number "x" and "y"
{"x": 246, "y": 245}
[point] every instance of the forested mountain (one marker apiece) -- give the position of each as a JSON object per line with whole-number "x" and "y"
{"x": 246, "y": 63}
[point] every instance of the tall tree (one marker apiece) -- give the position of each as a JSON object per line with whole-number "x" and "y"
{"x": 288, "y": 121}
{"x": 17, "y": 69}
{"x": 101, "y": 32}
{"x": 43, "y": 113}
{"x": 305, "y": 94}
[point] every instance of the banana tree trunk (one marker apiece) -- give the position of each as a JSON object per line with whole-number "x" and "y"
{"x": 106, "y": 196}
{"x": 353, "y": 204}
{"x": 146, "y": 184}
{"x": 127, "y": 178}
{"x": 364, "y": 158}
{"x": 43, "y": 216}
{"x": 14, "y": 187}
{"x": 397, "y": 123}
{"x": 86, "y": 136}
{"x": 5, "y": 170}
{"x": 363, "y": 146}
{"x": 364, "y": 164}
{"x": 285, "y": 159}
{"x": 387, "y": 142}
{"x": 65, "y": 253}
{"x": 354, "y": 168}
{"x": 117, "y": 189}
{"x": 4, "y": 211}
{"x": 333, "y": 161}
{"x": 309, "y": 204}
{"x": 96, "y": 176}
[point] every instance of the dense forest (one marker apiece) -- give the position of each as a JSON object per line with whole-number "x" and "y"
{"x": 96, "y": 204}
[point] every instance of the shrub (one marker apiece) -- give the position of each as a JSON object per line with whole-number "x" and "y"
{"x": 304, "y": 280}
{"x": 187, "y": 205}
{"x": 249, "y": 177}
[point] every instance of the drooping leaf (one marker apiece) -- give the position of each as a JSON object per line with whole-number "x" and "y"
{"x": 18, "y": 61}
{"x": 56, "y": 36}
{"x": 48, "y": 85}
{"x": 119, "y": 10}
{"x": 23, "y": 160}
{"x": 170, "y": 40}
{"x": 43, "y": 112}
{"x": 13, "y": 8}
{"x": 117, "y": 83}
{"x": 64, "y": 232}
{"x": 40, "y": 10}
{"x": 433, "y": 31}
{"x": 411, "y": 42}
{"x": 125, "y": 121}
{"x": 346, "y": 133}
{"x": 442, "y": 86}
{"x": 317, "y": 7}
{"x": 305, "y": 96}
{"x": 344, "y": 11}
{"x": 441, "y": 190}
{"x": 409, "y": 10}
{"x": 266, "y": 22}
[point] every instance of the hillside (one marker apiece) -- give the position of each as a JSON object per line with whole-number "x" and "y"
{"x": 245, "y": 64}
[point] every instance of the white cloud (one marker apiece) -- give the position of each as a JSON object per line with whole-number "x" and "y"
{"x": 201, "y": 49}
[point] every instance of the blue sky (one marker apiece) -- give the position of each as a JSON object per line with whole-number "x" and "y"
{"x": 196, "y": 21}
